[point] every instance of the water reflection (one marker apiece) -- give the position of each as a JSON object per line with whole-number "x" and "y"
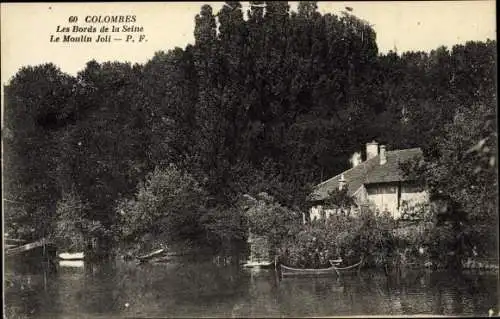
{"x": 119, "y": 289}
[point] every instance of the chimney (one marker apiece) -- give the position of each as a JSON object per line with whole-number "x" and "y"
{"x": 383, "y": 156}
{"x": 355, "y": 159}
{"x": 371, "y": 150}
{"x": 342, "y": 182}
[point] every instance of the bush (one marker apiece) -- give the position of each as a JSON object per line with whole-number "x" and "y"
{"x": 70, "y": 223}
{"x": 169, "y": 202}
{"x": 348, "y": 237}
{"x": 268, "y": 218}
{"x": 461, "y": 170}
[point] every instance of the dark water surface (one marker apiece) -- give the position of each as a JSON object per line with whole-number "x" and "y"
{"x": 121, "y": 289}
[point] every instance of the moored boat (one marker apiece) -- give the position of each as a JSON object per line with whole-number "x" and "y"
{"x": 335, "y": 261}
{"x": 151, "y": 255}
{"x": 71, "y": 256}
{"x": 258, "y": 264}
{"x": 348, "y": 269}
{"x": 290, "y": 271}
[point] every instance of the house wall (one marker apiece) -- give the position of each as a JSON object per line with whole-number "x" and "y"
{"x": 413, "y": 194}
{"x": 390, "y": 196}
{"x": 361, "y": 196}
{"x": 320, "y": 212}
{"x": 316, "y": 212}
{"x": 384, "y": 197}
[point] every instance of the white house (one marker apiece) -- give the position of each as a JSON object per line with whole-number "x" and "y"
{"x": 378, "y": 181}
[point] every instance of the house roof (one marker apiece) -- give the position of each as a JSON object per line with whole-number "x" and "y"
{"x": 368, "y": 172}
{"x": 391, "y": 171}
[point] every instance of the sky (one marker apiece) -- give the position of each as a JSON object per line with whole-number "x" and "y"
{"x": 26, "y": 28}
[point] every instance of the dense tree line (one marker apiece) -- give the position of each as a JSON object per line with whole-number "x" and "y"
{"x": 274, "y": 101}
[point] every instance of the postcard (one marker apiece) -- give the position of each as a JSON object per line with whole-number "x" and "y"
{"x": 249, "y": 159}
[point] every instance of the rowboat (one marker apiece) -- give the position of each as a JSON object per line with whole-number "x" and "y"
{"x": 71, "y": 256}
{"x": 150, "y": 255}
{"x": 348, "y": 269}
{"x": 289, "y": 271}
{"x": 258, "y": 264}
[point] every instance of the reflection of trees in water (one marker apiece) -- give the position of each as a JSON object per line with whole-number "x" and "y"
{"x": 416, "y": 292}
{"x": 21, "y": 294}
{"x": 204, "y": 289}
{"x": 260, "y": 297}
{"x": 464, "y": 293}
{"x": 183, "y": 289}
{"x": 29, "y": 289}
{"x": 434, "y": 292}
{"x": 320, "y": 296}
{"x": 101, "y": 291}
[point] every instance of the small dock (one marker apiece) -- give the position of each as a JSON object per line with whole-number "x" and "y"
{"x": 36, "y": 252}
{"x": 12, "y": 249}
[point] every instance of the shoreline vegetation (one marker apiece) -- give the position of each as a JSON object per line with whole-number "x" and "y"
{"x": 204, "y": 145}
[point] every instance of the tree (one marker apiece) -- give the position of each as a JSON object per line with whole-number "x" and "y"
{"x": 272, "y": 103}
{"x": 170, "y": 203}
{"x": 109, "y": 143}
{"x": 339, "y": 199}
{"x": 469, "y": 190}
{"x": 268, "y": 218}
{"x": 38, "y": 104}
{"x": 70, "y": 224}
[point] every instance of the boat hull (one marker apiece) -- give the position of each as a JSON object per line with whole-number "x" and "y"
{"x": 353, "y": 269}
{"x": 264, "y": 264}
{"x": 71, "y": 256}
{"x": 150, "y": 256}
{"x": 290, "y": 271}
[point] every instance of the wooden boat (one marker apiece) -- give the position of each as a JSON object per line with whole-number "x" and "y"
{"x": 349, "y": 269}
{"x": 151, "y": 255}
{"x": 258, "y": 264}
{"x": 71, "y": 256}
{"x": 290, "y": 271}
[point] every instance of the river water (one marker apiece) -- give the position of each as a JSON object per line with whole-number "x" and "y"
{"x": 124, "y": 289}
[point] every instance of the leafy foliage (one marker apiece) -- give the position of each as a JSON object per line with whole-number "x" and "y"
{"x": 468, "y": 190}
{"x": 268, "y": 218}
{"x": 169, "y": 201}
{"x": 274, "y": 102}
{"x": 70, "y": 226}
{"x": 349, "y": 237}
{"x": 339, "y": 199}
